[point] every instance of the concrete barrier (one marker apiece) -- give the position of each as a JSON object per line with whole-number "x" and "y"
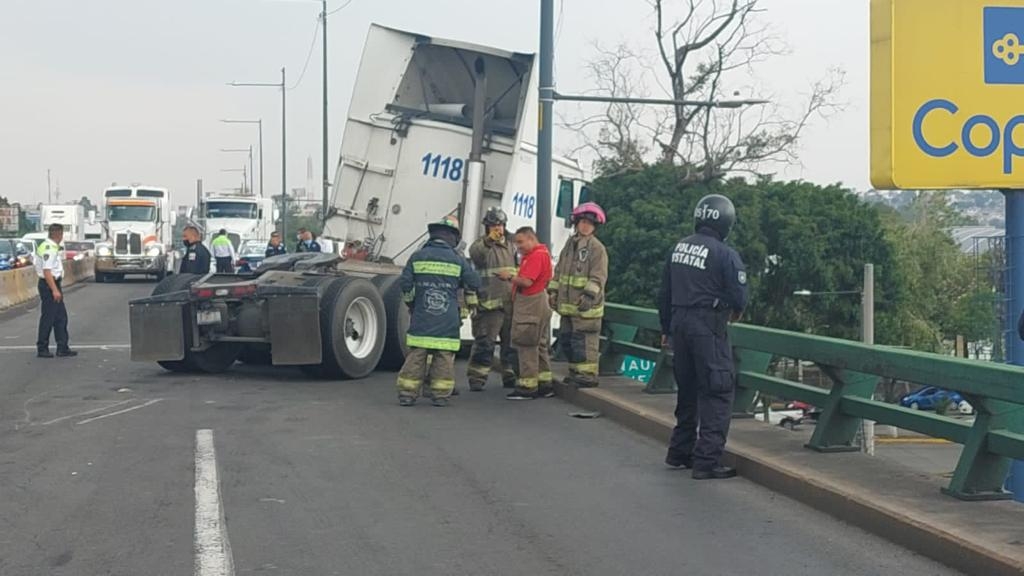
{"x": 19, "y": 286}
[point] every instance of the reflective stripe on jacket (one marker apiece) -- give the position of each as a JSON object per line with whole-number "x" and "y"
{"x": 430, "y": 282}
{"x": 490, "y": 258}
{"x": 582, "y": 269}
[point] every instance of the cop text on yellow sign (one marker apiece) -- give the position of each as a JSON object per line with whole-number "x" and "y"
{"x": 947, "y": 93}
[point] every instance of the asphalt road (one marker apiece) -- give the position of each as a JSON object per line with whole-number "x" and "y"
{"x": 102, "y": 472}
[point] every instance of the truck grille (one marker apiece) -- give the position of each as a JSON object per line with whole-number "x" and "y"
{"x": 128, "y": 244}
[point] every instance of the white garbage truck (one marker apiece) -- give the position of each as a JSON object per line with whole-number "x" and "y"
{"x": 435, "y": 127}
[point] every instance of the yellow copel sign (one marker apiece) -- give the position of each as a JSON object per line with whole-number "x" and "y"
{"x": 947, "y": 93}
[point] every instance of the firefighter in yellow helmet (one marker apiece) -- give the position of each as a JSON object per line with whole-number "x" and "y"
{"x": 577, "y": 293}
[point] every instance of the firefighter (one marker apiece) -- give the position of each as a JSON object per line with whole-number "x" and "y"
{"x": 577, "y": 294}
{"x": 531, "y": 318}
{"x": 430, "y": 284}
{"x": 492, "y": 255}
{"x": 703, "y": 289}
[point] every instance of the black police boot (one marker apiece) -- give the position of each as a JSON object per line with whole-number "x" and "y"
{"x": 716, "y": 473}
{"x": 673, "y": 461}
{"x": 68, "y": 353}
{"x": 44, "y": 354}
{"x": 406, "y": 401}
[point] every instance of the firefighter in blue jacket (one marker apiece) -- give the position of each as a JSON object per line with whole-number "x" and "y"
{"x": 430, "y": 285}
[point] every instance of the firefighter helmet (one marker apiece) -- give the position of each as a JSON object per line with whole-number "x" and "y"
{"x": 589, "y": 211}
{"x": 495, "y": 216}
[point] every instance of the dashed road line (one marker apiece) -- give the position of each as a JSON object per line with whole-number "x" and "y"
{"x": 212, "y": 548}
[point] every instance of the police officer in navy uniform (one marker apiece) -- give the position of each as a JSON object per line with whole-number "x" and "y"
{"x": 275, "y": 247}
{"x": 197, "y": 257}
{"x": 703, "y": 289}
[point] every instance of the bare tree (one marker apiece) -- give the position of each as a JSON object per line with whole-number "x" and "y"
{"x": 702, "y": 46}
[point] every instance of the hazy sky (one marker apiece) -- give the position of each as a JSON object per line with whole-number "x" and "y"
{"x": 131, "y": 90}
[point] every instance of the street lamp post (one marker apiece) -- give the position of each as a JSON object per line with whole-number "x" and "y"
{"x": 249, "y": 151}
{"x": 245, "y": 181}
{"x": 867, "y": 331}
{"x": 259, "y": 123}
{"x": 284, "y": 143}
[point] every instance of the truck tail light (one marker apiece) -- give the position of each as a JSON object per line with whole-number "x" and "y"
{"x": 244, "y": 291}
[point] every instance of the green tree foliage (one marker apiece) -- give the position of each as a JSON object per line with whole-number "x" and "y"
{"x": 797, "y": 235}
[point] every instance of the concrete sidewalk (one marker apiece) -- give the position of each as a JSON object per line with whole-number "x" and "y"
{"x": 882, "y": 495}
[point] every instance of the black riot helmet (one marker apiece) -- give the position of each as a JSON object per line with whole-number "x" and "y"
{"x": 716, "y": 212}
{"x": 495, "y": 216}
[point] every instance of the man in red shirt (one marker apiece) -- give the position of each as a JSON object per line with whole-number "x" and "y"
{"x": 531, "y": 317}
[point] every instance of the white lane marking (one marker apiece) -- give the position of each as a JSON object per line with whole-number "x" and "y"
{"x": 86, "y": 413}
{"x": 102, "y": 416}
{"x": 76, "y": 347}
{"x": 212, "y": 548}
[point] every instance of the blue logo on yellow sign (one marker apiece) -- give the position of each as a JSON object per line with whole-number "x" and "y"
{"x": 1004, "y": 50}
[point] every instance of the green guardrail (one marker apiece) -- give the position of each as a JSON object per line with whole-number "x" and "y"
{"x": 996, "y": 391}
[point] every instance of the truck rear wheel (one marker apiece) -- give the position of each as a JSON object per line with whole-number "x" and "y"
{"x": 166, "y": 286}
{"x": 352, "y": 329}
{"x": 216, "y": 358}
{"x": 398, "y": 318}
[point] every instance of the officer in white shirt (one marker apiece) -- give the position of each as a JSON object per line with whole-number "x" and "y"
{"x": 49, "y": 262}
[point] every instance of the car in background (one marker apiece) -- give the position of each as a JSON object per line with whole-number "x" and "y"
{"x": 929, "y": 397}
{"x": 250, "y": 255}
{"x": 33, "y": 240}
{"x": 14, "y": 254}
{"x": 74, "y": 250}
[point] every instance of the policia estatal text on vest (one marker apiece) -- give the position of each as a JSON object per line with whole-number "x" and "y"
{"x": 53, "y": 317}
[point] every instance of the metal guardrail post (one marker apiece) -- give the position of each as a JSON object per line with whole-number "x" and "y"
{"x": 610, "y": 362}
{"x": 836, "y": 430}
{"x": 750, "y": 361}
{"x": 663, "y": 379}
{"x": 980, "y": 474}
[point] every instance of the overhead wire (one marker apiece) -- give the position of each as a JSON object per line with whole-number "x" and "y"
{"x": 312, "y": 45}
{"x": 340, "y": 8}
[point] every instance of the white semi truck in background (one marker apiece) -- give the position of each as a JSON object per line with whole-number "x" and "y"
{"x": 245, "y": 217}
{"x": 138, "y": 227}
{"x": 435, "y": 127}
{"x": 71, "y": 216}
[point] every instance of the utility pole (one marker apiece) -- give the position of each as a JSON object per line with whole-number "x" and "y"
{"x": 545, "y": 124}
{"x": 867, "y": 312}
{"x": 49, "y": 190}
{"x": 326, "y": 178}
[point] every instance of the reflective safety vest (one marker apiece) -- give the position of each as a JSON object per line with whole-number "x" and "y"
{"x": 222, "y": 247}
{"x": 48, "y": 257}
{"x": 582, "y": 268}
{"x": 430, "y": 283}
{"x": 491, "y": 258}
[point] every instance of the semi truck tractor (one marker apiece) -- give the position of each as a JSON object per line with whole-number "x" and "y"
{"x": 435, "y": 127}
{"x": 244, "y": 217}
{"x": 138, "y": 226}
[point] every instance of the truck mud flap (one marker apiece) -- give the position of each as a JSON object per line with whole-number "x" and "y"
{"x": 295, "y": 330}
{"x": 157, "y": 331}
